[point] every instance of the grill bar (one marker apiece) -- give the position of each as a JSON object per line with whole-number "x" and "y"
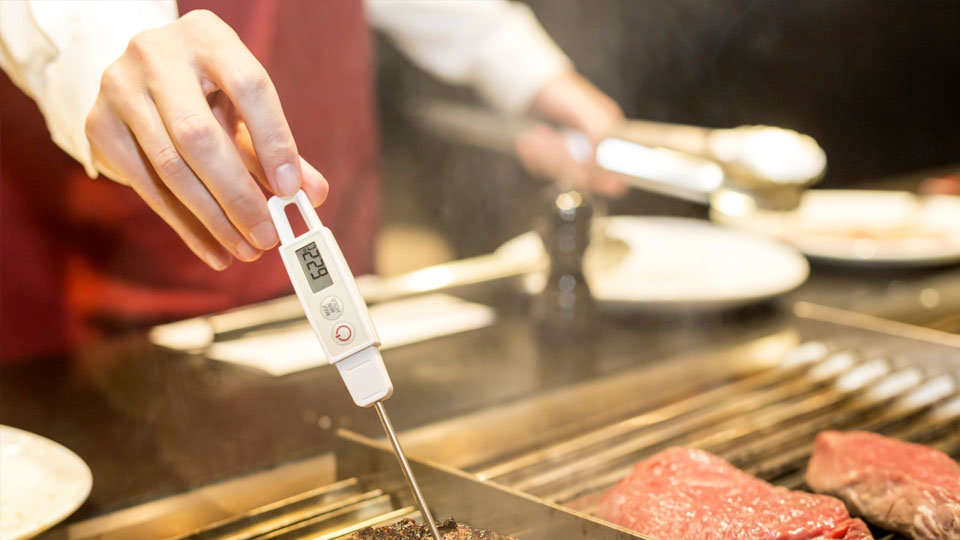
{"x": 710, "y": 399}
{"x": 594, "y": 451}
{"x": 652, "y": 429}
{"x": 897, "y": 415}
{"x": 322, "y": 529}
{"x": 764, "y": 423}
{"x": 332, "y": 511}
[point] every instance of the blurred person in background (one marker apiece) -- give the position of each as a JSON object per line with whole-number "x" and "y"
{"x": 198, "y": 118}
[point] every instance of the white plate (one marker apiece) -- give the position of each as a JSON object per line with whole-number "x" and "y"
{"x": 41, "y": 483}
{"x": 670, "y": 263}
{"x": 868, "y": 228}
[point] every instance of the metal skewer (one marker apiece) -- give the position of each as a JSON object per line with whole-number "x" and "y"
{"x": 405, "y": 468}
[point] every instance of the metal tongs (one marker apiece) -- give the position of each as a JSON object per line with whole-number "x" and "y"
{"x": 769, "y": 166}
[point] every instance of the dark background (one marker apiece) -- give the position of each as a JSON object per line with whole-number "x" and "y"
{"x": 877, "y": 83}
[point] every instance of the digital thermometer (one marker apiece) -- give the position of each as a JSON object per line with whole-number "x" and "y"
{"x": 339, "y": 317}
{"x": 332, "y": 302}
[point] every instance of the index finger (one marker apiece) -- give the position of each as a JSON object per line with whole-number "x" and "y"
{"x": 191, "y": 151}
{"x": 240, "y": 76}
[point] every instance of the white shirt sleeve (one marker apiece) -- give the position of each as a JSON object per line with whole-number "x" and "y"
{"x": 496, "y": 46}
{"x": 56, "y": 51}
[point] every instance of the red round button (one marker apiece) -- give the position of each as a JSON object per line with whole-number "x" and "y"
{"x": 343, "y": 333}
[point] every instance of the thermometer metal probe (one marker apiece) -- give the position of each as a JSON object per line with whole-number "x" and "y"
{"x": 338, "y": 315}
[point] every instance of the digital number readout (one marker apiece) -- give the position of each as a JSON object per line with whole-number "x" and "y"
{"x": 312, "y": 263}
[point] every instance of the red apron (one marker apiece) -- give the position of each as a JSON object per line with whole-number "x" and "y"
{"x": 80, "y": 258}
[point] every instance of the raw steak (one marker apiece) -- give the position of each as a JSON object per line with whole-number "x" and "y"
{"x": 900, "y": 486}
{"x": 686, "y": 494}
{"x": 408, "y": 529}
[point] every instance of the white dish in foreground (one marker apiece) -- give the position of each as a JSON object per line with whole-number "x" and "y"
{"x": 41, "y": 483}
{"x": 670, "y": 263}
{"x": 866, "y": 228}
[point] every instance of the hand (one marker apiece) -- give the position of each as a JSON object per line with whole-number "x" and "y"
{"x": 572, "y": 101}
{"x": 191, "y": 121}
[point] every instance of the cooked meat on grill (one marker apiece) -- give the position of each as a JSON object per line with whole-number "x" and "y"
{"x": 408, "y": 529}
{"x": 900, "y": 486}
{"x": 685, "y": 494}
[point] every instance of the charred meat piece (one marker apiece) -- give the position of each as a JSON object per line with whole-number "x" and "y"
{"x": 900, "y": 486}
{"x": 408, "y": 529}
{"x": 685, "y": 494}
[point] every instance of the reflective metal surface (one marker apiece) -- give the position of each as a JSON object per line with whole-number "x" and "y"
{"x": 769, "y": 164}
{"x": 472, "y": 501}
{"x": 335, "y": 506}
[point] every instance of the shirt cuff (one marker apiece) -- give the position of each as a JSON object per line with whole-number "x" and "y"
{"x": 498, "y": 47}
{"x": 515, "y": 61}
{"x": 88, "y": 36}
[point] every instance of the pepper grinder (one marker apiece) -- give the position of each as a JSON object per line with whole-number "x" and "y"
{"x": 564, "y": 311}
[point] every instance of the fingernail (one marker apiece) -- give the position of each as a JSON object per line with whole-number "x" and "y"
{"x": 264, "y": 235}
{"x": 288, "y": 179}
{"x": 246, "y": 251}
{"x": 313, "y": 192}
{"x": 313, "y": 183}
{"x": 218, "y": 261}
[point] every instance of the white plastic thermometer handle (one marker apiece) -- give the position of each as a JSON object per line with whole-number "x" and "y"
{"x": 332, "y": 302}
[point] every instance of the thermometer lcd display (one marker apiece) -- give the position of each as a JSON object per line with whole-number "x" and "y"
{"x": 313, "y": 267}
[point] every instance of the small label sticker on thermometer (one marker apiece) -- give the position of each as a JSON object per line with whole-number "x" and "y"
{"x": 330, "y": 298}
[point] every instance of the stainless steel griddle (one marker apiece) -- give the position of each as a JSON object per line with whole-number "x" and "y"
{"x": 470, "y": 500}
{"x": 535, "y": 468}
{"x": 372, "y": 493}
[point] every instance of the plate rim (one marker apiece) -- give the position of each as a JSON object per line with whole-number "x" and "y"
{"x": 701, "y": 303}
{"x": 835, "y": 256}
{"x": 66, "y": 510}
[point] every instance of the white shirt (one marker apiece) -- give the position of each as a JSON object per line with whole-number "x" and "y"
{"x": 56, "y": 50}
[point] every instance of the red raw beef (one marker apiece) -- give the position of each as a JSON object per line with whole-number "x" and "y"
{"x": 686, "y": 494}
{"x": 900, "y": 486}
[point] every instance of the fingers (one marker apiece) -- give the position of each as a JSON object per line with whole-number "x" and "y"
{"x": 543, "y": 151}
{"x": 574, "y": 101}
{"x": 314, "y": 184}
{"x": 194, "y": 234}
{"x": 152, "y": 127}
{"x": 116, "y": 151}
{"x": 201, "y": 147}
{"x": 183, "y": 183}
{"x": 234, "y": 69}
{"x": 145, "y": 130}
{"x": 609, "y": 184}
